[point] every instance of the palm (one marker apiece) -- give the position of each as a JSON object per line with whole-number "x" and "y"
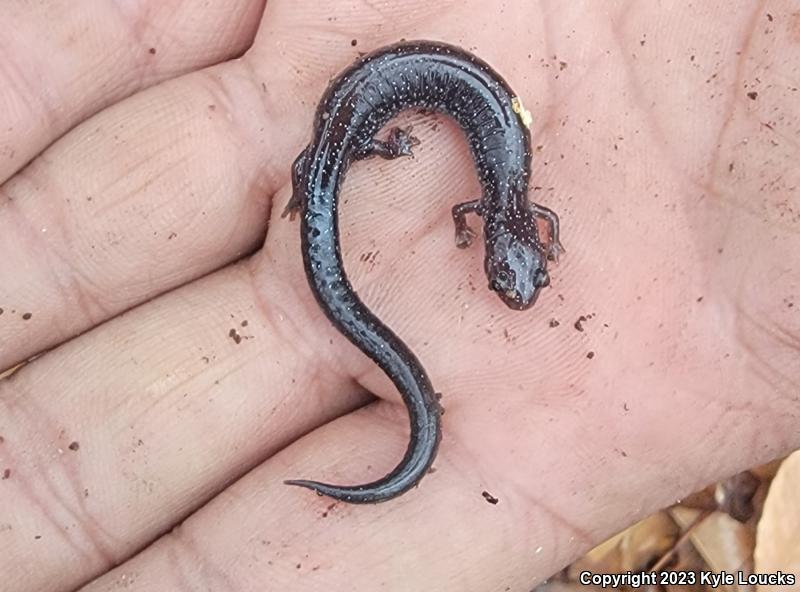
{"x": 681, "y": 240}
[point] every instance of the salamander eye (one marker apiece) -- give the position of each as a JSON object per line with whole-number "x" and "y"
{"x": 499, "y": 282}
{"x": 541, "y": 279}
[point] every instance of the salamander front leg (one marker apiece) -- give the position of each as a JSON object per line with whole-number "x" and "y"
{"x": 465, "y": 234}
{"x": 399, "y": 143}
{"x": 555, "y": 248}
{"x": 296, "y": 202}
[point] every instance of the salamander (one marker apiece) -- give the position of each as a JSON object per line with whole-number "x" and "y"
{"x": 357, "y": 104}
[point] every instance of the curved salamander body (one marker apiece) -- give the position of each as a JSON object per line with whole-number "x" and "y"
{"x": 355, "y": 107}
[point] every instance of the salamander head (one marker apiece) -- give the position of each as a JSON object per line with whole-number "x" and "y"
{"x": 516, "y": 263}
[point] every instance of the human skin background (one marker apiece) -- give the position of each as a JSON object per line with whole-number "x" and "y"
{"x": 145, "y": 152}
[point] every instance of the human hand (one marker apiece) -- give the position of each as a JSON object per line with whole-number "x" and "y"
{"x": 675, "y": 190}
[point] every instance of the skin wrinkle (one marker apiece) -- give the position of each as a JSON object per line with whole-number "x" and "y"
{"x": 238, "y": 474}
{"x": 190, "y": 565}
{"x": 730, "y": 197}
{"x": 778, "y": 334}
{"x": 793, "y": 143}
{"x": 27, "y": 91}
{"x": 158, "y": 534}
{"x": 785, "y": 337}
{"x": 738, "y": 434}
{"x": 764, "y": 367}
{"x": 548, "y": 97}
{"x": 231, "y": 236}
{"x": 414, "y": 15}
{"x": 74, "y": 285}
{"x": 566, "y": 530}
{"x": 267, "y": 101}
{"x": 87, "y": 294}
{"x": 159, "y": 37}
{"x": 36, "y": 179}
{"x": 143, "y": 163}
{"x": 163, "y": 401}
{"x": 733, "y": 426}
{"x": 73, "y": 282}
{"x": 144, "y": 36}
{"x": 284, "y": 58}
{"x": 378, "y": 10}
{"x": 298, "y": 336}
{"x": 548, "y": 127}
{"x": 46, "y": 496}
{"x": 132, "y": 51}
{"x": 748, "y": 325}
{"x": 219, "y": 91}
{"x": 141, "y": 70}
{"x": 735, "y": 100}
{"x": 660, "y": 137}
{"x": 134, "y": 21}
{"x": 165, "y": 169}
{"x": 6, "y": 199}
{"x": 714, "y": 167}
{"x": 220, "y": 95}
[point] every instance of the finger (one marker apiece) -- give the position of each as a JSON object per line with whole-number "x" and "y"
{"x": 111, "y": 438}
{"x": 63, "y": 61}
{"x": 159, "y": 189}
{"x": 443, "y": 535}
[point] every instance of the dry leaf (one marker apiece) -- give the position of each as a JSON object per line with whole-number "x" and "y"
{"x": 718, "y": 525}
{"x": 701, "y": 500}
{"x": 634, "y": 549}
{"x": 778, "y": 543}
{"x": 647, "y": 541}
{"x": 559, "y": 586}
{"x": 725, "y": 544}
{"x": 735, "y": 495}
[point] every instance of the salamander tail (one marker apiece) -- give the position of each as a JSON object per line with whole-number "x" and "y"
{"x": 414, "y": 466}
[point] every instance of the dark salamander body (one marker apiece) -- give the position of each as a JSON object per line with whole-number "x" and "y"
{"x": 356, "y": 105}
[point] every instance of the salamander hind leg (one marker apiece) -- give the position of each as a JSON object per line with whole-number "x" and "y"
{"x": 399, "y": 143}
{"x": 296, "y": 202}
{"x": 465, "y": 234}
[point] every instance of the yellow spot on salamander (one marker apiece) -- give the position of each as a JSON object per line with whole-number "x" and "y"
{"x": 524, "y": 115}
